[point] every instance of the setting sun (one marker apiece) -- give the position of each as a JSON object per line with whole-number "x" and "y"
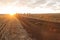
{"x": 11, "y": 13}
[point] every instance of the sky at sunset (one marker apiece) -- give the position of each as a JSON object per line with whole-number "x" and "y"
{"x": 29, "y": 6}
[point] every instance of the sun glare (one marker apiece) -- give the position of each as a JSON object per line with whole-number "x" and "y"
{"x": 13, "y": 9}
{"x": 11, "y": 14}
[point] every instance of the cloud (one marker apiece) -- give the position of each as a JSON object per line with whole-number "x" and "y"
{"x": 33, "y": 4}
{"x": 54, "y": 4}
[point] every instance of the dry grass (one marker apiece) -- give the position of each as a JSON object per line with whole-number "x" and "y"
{"x": 46, "y": 17}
